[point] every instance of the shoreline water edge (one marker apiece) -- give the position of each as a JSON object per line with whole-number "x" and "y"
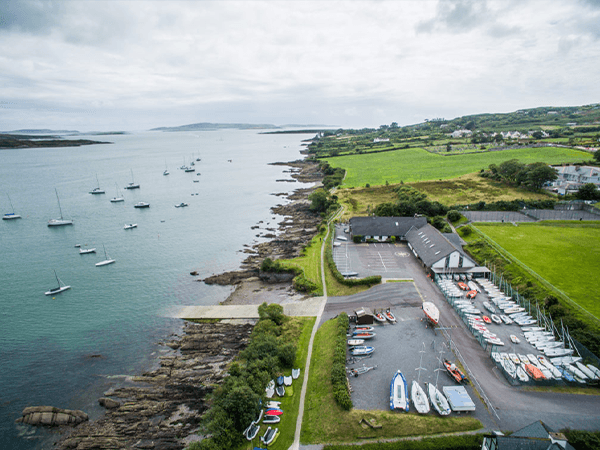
{"x": 161, "y": 408}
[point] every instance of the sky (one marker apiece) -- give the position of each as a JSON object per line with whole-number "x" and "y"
{"x": 134, "y": 65}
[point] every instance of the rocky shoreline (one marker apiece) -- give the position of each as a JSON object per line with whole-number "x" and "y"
{"x": 162, "y": 408}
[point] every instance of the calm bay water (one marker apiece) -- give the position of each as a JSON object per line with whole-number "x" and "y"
{"x": 48, "y": 346}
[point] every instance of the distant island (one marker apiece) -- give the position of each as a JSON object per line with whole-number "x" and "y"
{"x": 207, "y": 126}
{"x": 14, "y": 141}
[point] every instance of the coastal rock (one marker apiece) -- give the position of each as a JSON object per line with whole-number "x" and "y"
{"x": 165, "y": 405}
{"x": 270, "y": 277}
{"x": 230, "y": 278}
{"x": 51, "y": 416}
{"x": 108, "y": 403}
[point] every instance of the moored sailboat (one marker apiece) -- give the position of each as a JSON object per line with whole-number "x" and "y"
{"x": 57, "y": 290}
{"x": 62, "y": 221}
{"x": 106, "y": 261}
{"x": 11, "y": 215}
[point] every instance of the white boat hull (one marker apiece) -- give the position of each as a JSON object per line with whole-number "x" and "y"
{"x": 419, "y": 398}
{"x": 398, "y": 392}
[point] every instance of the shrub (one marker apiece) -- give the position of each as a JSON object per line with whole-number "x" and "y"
{"x": 273, "y": 312}
{"x": 357, "y": 238}
{"x": 338, "y": 367}
{"x": 453, "y": 215}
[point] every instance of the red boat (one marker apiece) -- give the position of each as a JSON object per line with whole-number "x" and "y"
{"x": 471, "y": 294}
{"x": 463, "y": 286}
{"x": 363, "y": 335}
{"x": 534, "y": 372}
{"x": 379, "y": 317}
{"x": 455, "y": 372}
{"x": 486, "y": 319}
{"x": 390, "y": 316}
{"x": 274, "y": 412}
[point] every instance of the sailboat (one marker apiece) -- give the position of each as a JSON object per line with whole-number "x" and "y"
{"x": 12, "y": 215}
{"x": 166, "y": 172}
{"x": 57, "y": 290}
{"x": 132, "y": 185}
{"x": 97, "y": 190}
{"x": 418, "y": 395}
{"x": 117, "y": 197}
{"x": 106, "y": 261}
{"x": 59, "y": 222}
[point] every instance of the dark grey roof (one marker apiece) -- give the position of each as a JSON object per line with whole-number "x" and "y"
{"x": 430, "y": 244}
{"x": 454, "y": 239}
{"x": 522, "y": 443}
{"x": 536, "y": 429}
{"x": 384, "y": 226}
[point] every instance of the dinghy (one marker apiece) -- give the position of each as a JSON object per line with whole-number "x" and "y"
{"x": 355, "y": 342}
{"x": 287, "y": 380}
{"x": 438, "y": 401}
{"x": 419, "y": 398}
{"x": 295, "y": 373}
{"x": 379, "y": 317}
{"x": 280, "y": 390}
{"x": 390, "y": 316}
{"x": 270, "y": 389}
{"x": 398, "y": 392}
{"x": 362, "y": 350}
{"x": 363, "y": 335}
{"x": 455, "y": 372}
{"x": 271, "y": 419}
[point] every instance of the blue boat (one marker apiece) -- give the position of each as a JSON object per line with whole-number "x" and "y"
{"x": 280, "y": 380}
{"x": 398, "y": 392}
{"x": 361, "y": 350}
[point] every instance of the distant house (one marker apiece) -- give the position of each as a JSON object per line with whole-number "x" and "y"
{"x": 571, "y": 178}
{"x": 376, "y": 140}
{"x": 536, "y": 436}
{"x": 383, "y": 228}
{"x": 461, "y": 133}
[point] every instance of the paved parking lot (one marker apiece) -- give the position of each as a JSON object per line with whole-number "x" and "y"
{"x": 499, "y": 405}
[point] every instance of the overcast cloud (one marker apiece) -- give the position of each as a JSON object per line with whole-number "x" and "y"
{"x": 112, "y": 65}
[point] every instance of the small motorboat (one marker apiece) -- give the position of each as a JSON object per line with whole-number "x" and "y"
{"x": 463, "y": 286}
{"x": 280, "y": 380}
{"x": 398, "y": 392}
{"x": 364, "y": 328}
{"x": 355, "y": 342}
{"x": 84, "y": 251}
{"x": 274, "y": 412}
{"x": 181, "y": 205}
{"x": 295, "y": 373}
{"x": 271, "y": 419}
{"x": 471, "y": 294}
{"x": 280, "y": 390}
{"x": 362, "y": 350}
{"x": 364, "y": 335}
{"x": 455, "y": 372}
{"x": 252, "y": 431}
{"x": 521, "y": 374}
{"x": 270, "y": 434}
{"x": 287, "y": 380}
{"x": 130, "y": 226}
{"x": 379, "y": 317}
{"x": 141, "y": 205}
{"x": 486, "y": 319}
{"x": 514, "y": 339}
{"x": 389, "y": 315}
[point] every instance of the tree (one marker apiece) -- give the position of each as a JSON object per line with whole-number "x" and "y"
{"x": 273, "y": 312}
{"x": 588, "y": 192}
{"x": 319, "y": 202}
{"x": 597, "y": 155}
{"x": 539, "y": 174}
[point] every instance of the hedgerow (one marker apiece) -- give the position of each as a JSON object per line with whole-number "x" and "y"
{"x": 466, "y": 442}
{"x": 366, "y": 281}
{"x": 338, "y": 368}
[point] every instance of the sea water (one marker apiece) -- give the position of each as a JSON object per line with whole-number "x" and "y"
{"x": 66, "y": 350}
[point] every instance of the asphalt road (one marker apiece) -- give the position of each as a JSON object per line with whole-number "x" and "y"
{"x": 500, "y": 406}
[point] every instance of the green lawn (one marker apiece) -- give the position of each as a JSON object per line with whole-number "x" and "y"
{"x": 566, "y": 254}
{"x": 310, "y": 262}
{"x": 415, "y": 164}
{"x": 325, "y": 422}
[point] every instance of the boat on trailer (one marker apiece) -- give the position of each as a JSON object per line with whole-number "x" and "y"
{"x": 431, "y": 312}
{"x": 419, "y": 398}
{"x": 398, "y": 392}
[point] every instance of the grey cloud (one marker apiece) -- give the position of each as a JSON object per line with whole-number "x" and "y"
{"x": 35, "y": 17}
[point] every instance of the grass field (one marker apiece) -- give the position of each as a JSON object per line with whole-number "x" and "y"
{"x": 470, "y": 188}
{"x": 416, "y": 164}
{"x": 325, "y": 422}
{"x": 566, "y": 254}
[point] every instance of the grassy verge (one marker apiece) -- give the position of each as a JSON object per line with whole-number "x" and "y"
{"x": 416, "y": 164}
{"x": 464, "y": 442}
{"x": 310, "y": 262}
{"x": 325, "y": 422}
{"x": 549, "y": 249}
{"x": 295, "y": 329}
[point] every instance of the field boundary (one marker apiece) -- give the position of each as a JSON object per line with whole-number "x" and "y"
{"x": 510, "y": 257}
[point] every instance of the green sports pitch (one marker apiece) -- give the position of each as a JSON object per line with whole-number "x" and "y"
{"x": 567, "y": 255}
{"x": 416, "y": 164}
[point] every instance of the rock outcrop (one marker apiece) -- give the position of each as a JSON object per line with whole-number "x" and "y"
{"x": 51, "y": 416}
{"x": 165, "y": 405}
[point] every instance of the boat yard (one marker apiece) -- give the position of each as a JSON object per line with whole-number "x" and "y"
{"x": 497, "y": 397}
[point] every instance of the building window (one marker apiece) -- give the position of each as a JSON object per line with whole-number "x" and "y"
{"x": 460, "y": 261}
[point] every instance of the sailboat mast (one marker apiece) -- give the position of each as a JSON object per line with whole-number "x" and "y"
{"x": 57, "y": 280}
{"x": 59, "y": 208}
{"x": 11, "y": 205}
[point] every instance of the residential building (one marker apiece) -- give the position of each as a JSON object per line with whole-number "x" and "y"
{"x": 536, "y": 436}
